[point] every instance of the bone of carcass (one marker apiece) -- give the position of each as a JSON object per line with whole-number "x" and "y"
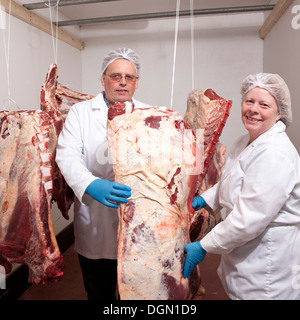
{"x": 209, "y": 112}
{"x": 66, "y": 97}
{"x": 30, "y": 180}
{"x": 57, "y": 100}
{"x": 61, "y": 193}
{"x": 155, "y": 153}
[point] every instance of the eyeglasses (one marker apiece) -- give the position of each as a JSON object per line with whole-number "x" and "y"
{"x": 117, "y": 77}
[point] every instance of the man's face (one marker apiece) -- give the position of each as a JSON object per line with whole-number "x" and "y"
{"x": 119, "y": 90}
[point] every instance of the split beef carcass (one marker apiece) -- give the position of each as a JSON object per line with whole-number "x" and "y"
{"x": 209, "y": 112}
{"x": 57, "y": 100}
{"x": 154, "y": 151}
{"x": 30, "y": 181}
{"x": 26, "y": 231}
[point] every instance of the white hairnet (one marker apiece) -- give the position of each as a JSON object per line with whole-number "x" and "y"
{"x": 123, "y": 53}
{"x": 277, "y": 87}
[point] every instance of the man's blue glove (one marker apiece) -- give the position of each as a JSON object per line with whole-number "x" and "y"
{"x": 195, "y": 255}
{"x": 198, "y": 203}
{"x": 106, "y": 191}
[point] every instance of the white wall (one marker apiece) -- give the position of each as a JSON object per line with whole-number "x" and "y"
{"x": 281, "y": 55}
{"x": 227, "y": 48}
{"x": 31, "y": 53}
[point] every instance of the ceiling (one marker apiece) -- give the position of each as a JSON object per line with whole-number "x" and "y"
{"x": 82, "y": 12}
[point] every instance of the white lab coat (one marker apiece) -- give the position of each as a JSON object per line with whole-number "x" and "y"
{"x": 260, "y": 237}
{"x": 81, "y": 159}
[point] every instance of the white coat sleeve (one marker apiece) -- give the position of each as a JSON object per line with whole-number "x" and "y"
{"x": 267, "y": 184}
{"x": 211, "y": 197}
{"x": 69, "y": 155}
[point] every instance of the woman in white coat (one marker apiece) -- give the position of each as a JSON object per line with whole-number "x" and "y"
{"x": 259, "y": 240}
{"x": 82, "y": 156}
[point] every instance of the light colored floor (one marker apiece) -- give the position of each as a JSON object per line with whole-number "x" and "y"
{"x": 70, "y": 287}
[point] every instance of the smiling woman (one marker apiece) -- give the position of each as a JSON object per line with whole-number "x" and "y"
{"x": 276, "y": 87}
{"x": 259, "y": 112}
{"x": 260, "y": 192}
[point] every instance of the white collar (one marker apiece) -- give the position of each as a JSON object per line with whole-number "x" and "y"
{"x": 277, "y": 127}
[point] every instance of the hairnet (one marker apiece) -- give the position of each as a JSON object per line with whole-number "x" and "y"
{"x": 277, "y": 87}
{"x": 123, "y": 53}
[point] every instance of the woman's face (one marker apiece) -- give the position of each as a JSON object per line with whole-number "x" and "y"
{"x": 259, "y": 112}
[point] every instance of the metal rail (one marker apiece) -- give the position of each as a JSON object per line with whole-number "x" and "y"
{"x": 167, "y": 14}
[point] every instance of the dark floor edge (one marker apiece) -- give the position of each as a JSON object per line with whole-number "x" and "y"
{"x": 17, "y": 282}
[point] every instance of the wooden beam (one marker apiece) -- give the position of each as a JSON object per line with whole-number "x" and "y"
{"x": 274, "y": 16}
{"x": 40, "y": 23}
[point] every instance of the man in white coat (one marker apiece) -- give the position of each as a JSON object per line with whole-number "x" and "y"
{"x": 82, "y": 158}
{"x": 259, "y": 240}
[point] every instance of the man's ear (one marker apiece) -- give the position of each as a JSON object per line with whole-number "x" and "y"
{"x": 136, "y": 83}
{"x": 102, "y": 79}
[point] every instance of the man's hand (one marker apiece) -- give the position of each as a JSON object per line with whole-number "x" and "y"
{"x": 107, "y": 192}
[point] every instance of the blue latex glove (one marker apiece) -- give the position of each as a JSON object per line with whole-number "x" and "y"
{"x": 198, "y": 203}
{"x": 195, "y": 255}
{"x": 106, "y": 191}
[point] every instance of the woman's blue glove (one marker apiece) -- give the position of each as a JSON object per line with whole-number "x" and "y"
{"x": 105, "y": 191}
{"x": 198, "y": 203}
{"x": 195, "y": 255}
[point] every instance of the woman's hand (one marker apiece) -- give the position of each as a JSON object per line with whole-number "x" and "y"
{"x": 198, "y": 203}
{"x": 195, "y": 255}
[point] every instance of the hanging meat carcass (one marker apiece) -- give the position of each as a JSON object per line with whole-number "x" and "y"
{"x": 146, "y": 152}
{"x": 209, "y": 112}
{"x": 30, "y": 181}
{"x": 157, "y": 154}
{"x": 26, "y": 231}
{"x": 56, "y": 100}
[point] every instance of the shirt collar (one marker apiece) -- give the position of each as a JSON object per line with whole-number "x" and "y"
{"x": 105, "y": 100}
{"x": 278, "y": 127}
